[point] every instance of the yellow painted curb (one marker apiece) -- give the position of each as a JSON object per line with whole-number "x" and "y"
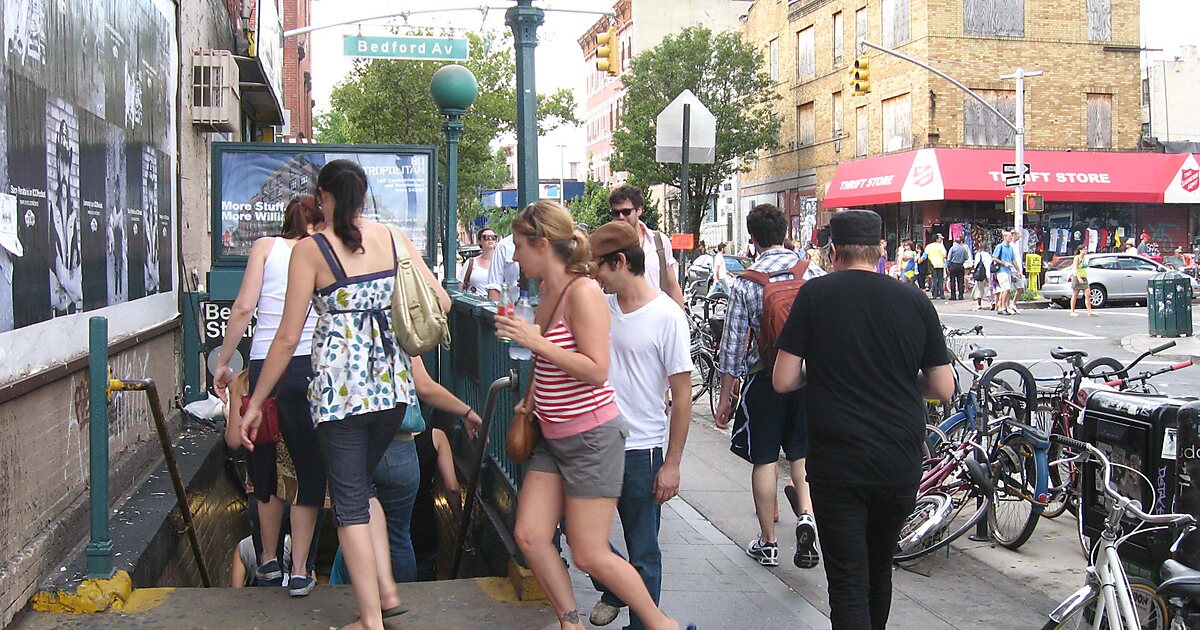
{"x": 501, "y": 590}
{"x": 91, "y": 596}
{"x": 144, "y": 599}
{"x": 524, "y": 584}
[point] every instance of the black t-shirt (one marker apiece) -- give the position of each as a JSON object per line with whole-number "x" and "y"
{"x": 864, "y": 337}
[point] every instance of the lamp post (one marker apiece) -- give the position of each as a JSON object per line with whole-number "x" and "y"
{"x": 524, "y": 20}
{"x": 454, "y": 90}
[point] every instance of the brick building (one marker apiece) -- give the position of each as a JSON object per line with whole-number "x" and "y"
{"x": 298, "y": 102}
{"x": 926, "y": 156}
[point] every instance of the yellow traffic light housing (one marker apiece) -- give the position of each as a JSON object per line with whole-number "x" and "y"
{"x": 607, "y": 58}
{"x": 860, "y": 76}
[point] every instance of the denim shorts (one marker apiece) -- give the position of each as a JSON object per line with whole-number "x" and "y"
{"x": 592, "y": 463}
{"x": 353, "y": 447}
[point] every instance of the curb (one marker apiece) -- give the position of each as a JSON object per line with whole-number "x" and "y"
{"x": 91, "y": 596}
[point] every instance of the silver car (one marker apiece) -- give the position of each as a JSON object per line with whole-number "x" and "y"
{"x": 1112, "y": 277}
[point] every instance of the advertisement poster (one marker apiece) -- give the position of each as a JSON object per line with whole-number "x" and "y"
{"x": 86, "y": 187}
{"x": 255, "y": 184}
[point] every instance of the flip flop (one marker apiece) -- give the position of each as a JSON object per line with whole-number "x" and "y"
{"x": 394, "y": 611}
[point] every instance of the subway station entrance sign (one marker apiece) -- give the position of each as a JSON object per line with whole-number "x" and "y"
{"x": 422, "y": 48}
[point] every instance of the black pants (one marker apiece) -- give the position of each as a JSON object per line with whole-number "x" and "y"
{"x": 938, "y": 287}
{"x": 957, "y": 279}
{"x": 858, "y": 529}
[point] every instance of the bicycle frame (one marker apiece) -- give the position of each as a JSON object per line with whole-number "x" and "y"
{"x": 1106, "y": 581}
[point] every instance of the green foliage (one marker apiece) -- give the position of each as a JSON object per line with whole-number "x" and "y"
{"x": 727, "y": 75}
{"x": 387, "y": 102}
{"x": 592, "y": 208}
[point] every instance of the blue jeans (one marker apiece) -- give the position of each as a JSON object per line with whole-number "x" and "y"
{"x": 640, "y": 517}
{"x": 396, "y": 481}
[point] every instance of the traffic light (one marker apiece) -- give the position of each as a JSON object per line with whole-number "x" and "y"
{"x": 607, "y": 57}
{"x": 860, "y": 76}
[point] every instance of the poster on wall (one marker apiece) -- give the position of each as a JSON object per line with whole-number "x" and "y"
{"x": 253, "y": 183}
{"x": 87, "y": 187}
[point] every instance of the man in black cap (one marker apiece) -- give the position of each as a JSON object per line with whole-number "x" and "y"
{"x": 870, "y": 351}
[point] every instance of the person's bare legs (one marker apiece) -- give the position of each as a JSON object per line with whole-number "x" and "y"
{"x": 1075, "y": 294}
{"x": 803, "y": 498}
{"x": 359, "y": 554}
{"x": 270, "y": 519}
{"x": 539, "y": 511}
{"x": 304, "y": 521}
{"x": 589, "y": 523}
{"x": 388, "y": 598}
{"x": 764, "y": 481}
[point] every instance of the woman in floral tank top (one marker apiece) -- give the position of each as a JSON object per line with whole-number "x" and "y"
{"x": 362, "y": 379}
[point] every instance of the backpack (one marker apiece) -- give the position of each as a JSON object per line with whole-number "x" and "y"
{"x": 777, "y": 302}
{"x": 981, "y": 271}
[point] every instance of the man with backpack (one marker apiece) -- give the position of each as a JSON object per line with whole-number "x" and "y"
{"x": 765, "y": 421}
{"x": 627, "y": 204}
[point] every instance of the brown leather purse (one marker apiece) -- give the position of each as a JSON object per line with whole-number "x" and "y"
{"x": 524, "y": 432}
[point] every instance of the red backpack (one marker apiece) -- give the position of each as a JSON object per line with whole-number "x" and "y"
{"x": 777, "y": 302}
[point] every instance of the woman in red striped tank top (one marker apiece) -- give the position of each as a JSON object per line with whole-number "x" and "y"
{"x": 582, "y": 452}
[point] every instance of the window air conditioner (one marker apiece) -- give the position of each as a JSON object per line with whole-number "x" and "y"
{"x": 215, "y": 99}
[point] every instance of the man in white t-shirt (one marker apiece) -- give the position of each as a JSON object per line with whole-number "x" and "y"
{"x": 650, "y": 352}
{"x": 504, "y": 270}
{"x": 627, "y": 205}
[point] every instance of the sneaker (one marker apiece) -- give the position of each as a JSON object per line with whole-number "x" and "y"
{"x": 300, "y": 585}
{"x": 603, "y": 613}
{"x": 269, "y": 574}
{"x": 1074, "y": 314}
{"x": 807, "y": 555}
{"x": 1014, "y": 309}
{"x": 766, "y": 553}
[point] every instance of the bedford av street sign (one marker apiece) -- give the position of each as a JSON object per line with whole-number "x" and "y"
{"x": 421, "y": 48}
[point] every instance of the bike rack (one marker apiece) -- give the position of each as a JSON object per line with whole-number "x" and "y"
{"x": 502, "y": 383}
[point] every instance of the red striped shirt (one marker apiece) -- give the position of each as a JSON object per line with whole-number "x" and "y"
{"x": 559, "y": 397}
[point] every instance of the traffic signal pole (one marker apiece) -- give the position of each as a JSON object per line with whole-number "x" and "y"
{"x": 1018, "y": 126}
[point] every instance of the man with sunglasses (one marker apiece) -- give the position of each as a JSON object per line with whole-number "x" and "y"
{"x": 627, "y": 204}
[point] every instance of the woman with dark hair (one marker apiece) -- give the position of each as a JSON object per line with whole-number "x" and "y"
{"x": 263, "y": 288}
{"x": 577, "y": 469}
{"x": 362, "y": 379}
{"x": 475, "y": 272}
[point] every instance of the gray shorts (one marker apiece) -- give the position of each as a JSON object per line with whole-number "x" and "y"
{"x": 592, "y": 463}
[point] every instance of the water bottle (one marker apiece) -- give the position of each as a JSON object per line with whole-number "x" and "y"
{"x": 504, "y": 308}
{"x": 523, "y": 310}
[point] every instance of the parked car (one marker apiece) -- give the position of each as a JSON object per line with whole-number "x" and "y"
{"x": 699, "y": 273}
{"x": 1112, "y": 277}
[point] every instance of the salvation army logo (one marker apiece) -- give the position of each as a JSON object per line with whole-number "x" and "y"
{"x": 923, "y": 175}
{"x": 1189, "y": 179}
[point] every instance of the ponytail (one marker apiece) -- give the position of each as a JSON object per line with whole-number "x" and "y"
{"x": 579, "y": 255}
{"x": 347, "y": 183}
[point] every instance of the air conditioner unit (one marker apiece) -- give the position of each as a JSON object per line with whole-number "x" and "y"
{"x": 215, "y": 97}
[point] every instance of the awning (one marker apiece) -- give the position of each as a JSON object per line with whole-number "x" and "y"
{"x": 976, "y": 175}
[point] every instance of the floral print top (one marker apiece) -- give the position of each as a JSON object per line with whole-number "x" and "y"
{"x": 357, "y": 365}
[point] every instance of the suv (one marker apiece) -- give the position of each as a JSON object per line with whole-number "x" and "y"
{"x": 1112, "y": 277}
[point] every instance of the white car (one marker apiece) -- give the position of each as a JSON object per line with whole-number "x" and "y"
{"x": 1112, "y": 277}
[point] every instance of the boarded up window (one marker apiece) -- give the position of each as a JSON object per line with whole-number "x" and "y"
{"x": 1099, "y": 121}
{"x": 994, "y": 17}
{"x": 805, "y": 54}
{"x": 860, "y": 132}
{"x": 838, "y": 30}
{"x": 806, "y": 125}
{"x": 860, "y": 29}
{"x": 837, "y": 114}
{"x": 981, "y": 127}
{"x": 895, "y": 22}
{"x": 897, "y": 123}
{"x": 774, "y": 55}
{"x": 1099, "y": 20}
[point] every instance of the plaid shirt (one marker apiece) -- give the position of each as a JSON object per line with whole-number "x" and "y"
{"x": 745, "y": 311}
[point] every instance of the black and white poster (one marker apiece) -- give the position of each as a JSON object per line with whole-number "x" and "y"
{"x": 87, "y": 193}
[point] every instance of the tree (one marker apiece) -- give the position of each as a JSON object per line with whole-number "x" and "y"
{"x": 387, "y": 102}
{"x": 726, "y": 75}
{"x": 591, "y": 208}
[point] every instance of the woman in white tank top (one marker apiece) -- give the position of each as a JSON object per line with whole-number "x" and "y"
{"x": 264, "y": 286}
{"x": 474, "y": 273}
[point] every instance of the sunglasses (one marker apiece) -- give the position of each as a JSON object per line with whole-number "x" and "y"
{"x": 622, "y": 212}
{"x": 488, "y": 237}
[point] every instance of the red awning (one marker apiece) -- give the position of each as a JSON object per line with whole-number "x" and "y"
{"x": 975, "y": 174}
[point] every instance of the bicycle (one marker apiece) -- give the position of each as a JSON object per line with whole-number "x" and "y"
{"x": 1109, "y": 598}
{"x": 706, "y": 332}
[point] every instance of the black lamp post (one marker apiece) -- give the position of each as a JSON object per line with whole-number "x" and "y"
{"x": 454, "y": 90}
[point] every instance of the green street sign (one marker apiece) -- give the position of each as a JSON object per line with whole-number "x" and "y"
{"x": 436, "y": 48}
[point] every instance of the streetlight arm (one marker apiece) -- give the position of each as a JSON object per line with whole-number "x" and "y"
{"x": 404, "y": 14}
{"x": 952, "y": 80}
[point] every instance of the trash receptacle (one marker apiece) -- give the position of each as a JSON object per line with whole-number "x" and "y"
{"x": 1169, "y": 302}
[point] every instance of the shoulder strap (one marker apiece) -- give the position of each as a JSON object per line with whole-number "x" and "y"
{"x": 395, "y": 252}
{"x": 331, "y": 257}
{"x": 663, "y": 271}
{"x": 553, "y": 316}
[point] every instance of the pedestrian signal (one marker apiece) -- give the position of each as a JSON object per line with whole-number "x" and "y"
{"x": 607, "y": 57}
{"x": 860, "y": 76}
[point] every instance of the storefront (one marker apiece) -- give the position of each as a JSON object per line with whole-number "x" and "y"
{"x": 1097, "y": 199}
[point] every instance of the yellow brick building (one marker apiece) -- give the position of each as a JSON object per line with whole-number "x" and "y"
{"x": 1088, "y": 100}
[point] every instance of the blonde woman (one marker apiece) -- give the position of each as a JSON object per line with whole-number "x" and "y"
{"x": 1079, "y": 281}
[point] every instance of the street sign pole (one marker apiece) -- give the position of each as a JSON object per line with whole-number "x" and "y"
{"x": 1019, "y": 144}
{"x": 683, "y": 168}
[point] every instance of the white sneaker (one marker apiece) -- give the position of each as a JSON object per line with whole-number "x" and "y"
{"x": 807, "y": 555}
{"x": 766, "y": 553}
{"x": 1014, "y": 310}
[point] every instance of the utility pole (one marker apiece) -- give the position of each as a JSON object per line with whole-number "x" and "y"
{"x": 524, "y": 20}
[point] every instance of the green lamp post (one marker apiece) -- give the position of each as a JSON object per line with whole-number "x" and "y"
{"x": 454, "y": 90}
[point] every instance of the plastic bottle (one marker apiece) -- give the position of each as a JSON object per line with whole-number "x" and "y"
{"x": 522, "y": 310}
{"x": 504, "y": 308}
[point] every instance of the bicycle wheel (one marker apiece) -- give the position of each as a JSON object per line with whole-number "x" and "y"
{"x": 1007, "y": 389}
{"x": 1103, "y": 366}
{"x": 704, "y": 366}
{"x": 924, "y": 527}
{"x": 1150, "y": 608}
{"x": 1014, "y": 515}
{"x": 1045, "y": 416}
{"x": 714, "y": 389}
{"x": 967, "y": 505}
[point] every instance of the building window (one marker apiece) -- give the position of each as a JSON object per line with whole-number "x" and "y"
{"x": 805, "y": 66}
{"x": 860, "y": 132}
{"x": 838, "y": 30}
{"x": 1099, "y": 20}
{"x": 994, "y": 17}
{"x": 774, "y": 57}
{"x": 806, "y": 125}
{"x": 1099, "y": 121}
{"x": 1146, "y": 92}
{"x": 897, "y": 123}
{"x": 895, "y": 22}
{"x": 981, "y": 126}
{"x": 837, "y": 115}
{"x": 860, "y": 29}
